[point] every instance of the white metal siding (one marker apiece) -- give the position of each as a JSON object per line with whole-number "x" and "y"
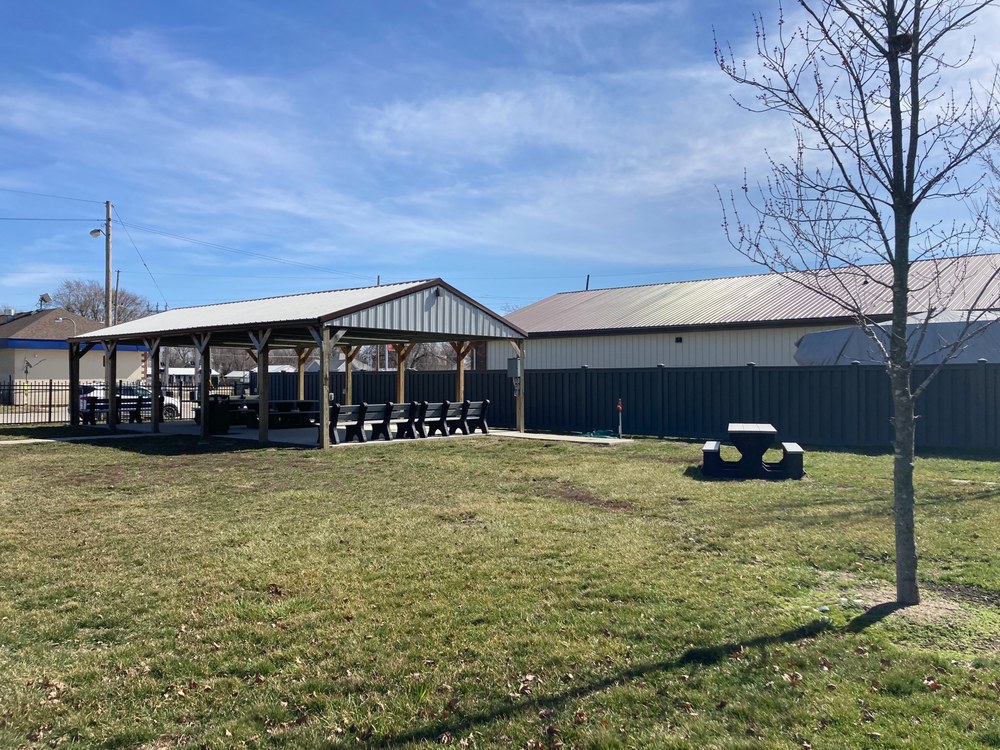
{"x": 772, "y": 347}
{"x": 426, "y": 312}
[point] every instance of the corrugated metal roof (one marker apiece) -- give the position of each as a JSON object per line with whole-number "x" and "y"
{"x": 766, "y": 298}
{"x": 290, "y": 310}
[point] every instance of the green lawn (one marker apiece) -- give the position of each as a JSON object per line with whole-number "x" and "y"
{"x": 163, "y": 592}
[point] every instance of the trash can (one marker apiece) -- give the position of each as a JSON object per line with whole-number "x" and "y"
{"x": 218, "y": 417}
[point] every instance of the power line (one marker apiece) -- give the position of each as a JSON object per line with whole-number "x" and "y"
{"x": 37, "y": 218}
{"x": 46, "y": 195}
{"x": 248, "y": 253}
{"x": 136, "y": 248}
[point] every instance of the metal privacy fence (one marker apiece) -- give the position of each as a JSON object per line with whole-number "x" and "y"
{"x": 817, "y": 406}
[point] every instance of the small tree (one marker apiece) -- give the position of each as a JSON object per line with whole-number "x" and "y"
{"x": 881, "y": 136}
{"x": 86, "y": 298}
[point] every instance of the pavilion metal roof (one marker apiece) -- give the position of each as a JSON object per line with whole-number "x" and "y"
{"x": 426, "y": 310}
{"x": 765, "y": 299}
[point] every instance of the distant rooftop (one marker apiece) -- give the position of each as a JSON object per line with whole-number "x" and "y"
{"x": 765, "y": 299}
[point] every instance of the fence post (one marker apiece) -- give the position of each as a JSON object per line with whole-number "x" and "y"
{"x": 661, "y": 406}
{"x": 982, "y": 412}
{"x": 750, "y": 392}
{"x": 50, "y": 400}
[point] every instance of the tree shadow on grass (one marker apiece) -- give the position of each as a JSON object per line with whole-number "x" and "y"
{"x": 706, "y": 656}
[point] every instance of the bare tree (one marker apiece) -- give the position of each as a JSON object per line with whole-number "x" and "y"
{"x": 891, "y": 122}
{"x": 86, "y": 298}
{"x": 231, "y": 359}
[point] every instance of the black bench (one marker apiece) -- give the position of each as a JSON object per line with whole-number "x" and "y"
{"x": 403, "y": 416}
{"x": 471, "y": 417}
{"x": 353, "y": 416}
{"x": 434, "y": 418}
{"x": 98, "y": 407}
{"x": 412, "y": 420}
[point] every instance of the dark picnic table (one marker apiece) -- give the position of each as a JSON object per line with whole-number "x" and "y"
{"x": 752, "y": 440}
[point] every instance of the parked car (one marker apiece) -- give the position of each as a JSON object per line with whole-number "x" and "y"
{"x": 127, "y": 396}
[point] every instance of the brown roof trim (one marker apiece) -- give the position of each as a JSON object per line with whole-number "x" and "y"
{"x": 740, "y": 325}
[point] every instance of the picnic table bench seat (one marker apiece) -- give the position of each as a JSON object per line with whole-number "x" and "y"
{"x": 98, "y": 407}
{"x": 412, "y": 420}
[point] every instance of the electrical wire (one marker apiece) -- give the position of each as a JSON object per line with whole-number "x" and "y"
{"x": 37, "y": 218}
{"x": 248, "y": 253}
{"x": 46, "y": 195}
{"x": 136, "y": 248}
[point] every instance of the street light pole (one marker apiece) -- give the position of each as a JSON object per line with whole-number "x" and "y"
{"x": 109, "y": 317}
{"x": 109, "y": 369}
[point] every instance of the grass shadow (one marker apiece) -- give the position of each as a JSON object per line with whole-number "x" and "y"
{"x": 460, "y": 724}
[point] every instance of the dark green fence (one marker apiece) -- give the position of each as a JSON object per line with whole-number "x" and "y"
{"x": 820, "y": 406}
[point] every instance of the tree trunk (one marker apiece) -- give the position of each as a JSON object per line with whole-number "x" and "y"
{"x": 907, "y": 592}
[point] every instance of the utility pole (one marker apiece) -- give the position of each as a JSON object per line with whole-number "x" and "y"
{"x": 108, "y": 315}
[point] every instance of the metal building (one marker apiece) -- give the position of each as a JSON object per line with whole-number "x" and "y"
{"x": 732, "y": 321}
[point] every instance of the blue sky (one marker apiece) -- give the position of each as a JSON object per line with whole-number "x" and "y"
{"x": 508, "y": 147}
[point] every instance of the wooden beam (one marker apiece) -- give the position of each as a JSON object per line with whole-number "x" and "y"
{"x": 325, "y": 341}
{"x": 204, "y": 386}
{"x": 324, "y": 389}
{"x": 111, "y": 385}
{"x": 462, "y": 349}
{"x": 259, "y": 340}
{"x": 302, "y": 353}
{"x": 520, "y": 346}
{"x": 350, "y": 353}
{"x": 202, "y": 345}
{"x": 402, "y": 352}
{"x": 154, "y": 349}
{"x": 74, "y": 384}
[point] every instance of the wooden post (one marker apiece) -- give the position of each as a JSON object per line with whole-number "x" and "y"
{"x": 204, "y": 386}
{"x": 324, "y": 388}
{"x": 519, "y": 347}
{"x": 462, "y": 349}
{"x": 74, "y": 384}
{"x": 402, "y": 352}
{"x": 302, "y": 353}
{"x": 350, "y": 353}
{"x": 260, "y": 340}
{"x": 263, "y": 394}
{"x": 154, "y": 350}
{"x": 205, "y": 382}
{"x": 111, "y": 374}
{"x": 322, "y": 337}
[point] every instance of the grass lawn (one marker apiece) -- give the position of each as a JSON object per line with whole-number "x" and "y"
{"x": 163, "y": 592}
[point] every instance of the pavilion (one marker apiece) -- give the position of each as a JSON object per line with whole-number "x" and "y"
{"x": 402, "y": 314}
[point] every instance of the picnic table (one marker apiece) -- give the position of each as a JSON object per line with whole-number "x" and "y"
{"x": 752, "y": 440}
